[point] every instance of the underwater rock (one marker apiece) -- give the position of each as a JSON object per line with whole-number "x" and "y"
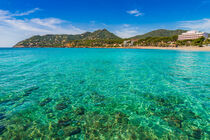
{"x": 45, "y": 101}
{"x": 97, "y": 98}
{"x": 187, "y": 79}
{"x": 72, "y": 130}
{"x": 208, "y": 85}
{"x": 188, "y": 114}
{"x": 4, "y": 101}
{"x": 65, "y": 100}
{"x": 51, "y": 116}
{"x": 174, "y": 121}
{"x": 60, "y": 106}
{"x": 121, "y": 118}
{"x": 79, "y": 95}
{"x": 75, "y": 131}
{"x": 80, "y": 111}
{"x": 2, "y": 116}
{"x": 2, "y": 129}
{"x": 49, "y": 111}
{"x": 197, "y": 133}
{"x": 82, "y": 81}
{"x": 30, "y": 90}
{"x": 161, "y": 101}
{"x": 100, "y": 104}
{"x": 178, "y": 123}
{"x": 60, "y": 132}
{"x": 64, "y": 122}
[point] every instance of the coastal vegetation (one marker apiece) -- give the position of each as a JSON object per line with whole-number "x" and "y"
{"x": 206, "y": 42}
{"x": 85, "y": 39}
{"x": 197, "y": 42}
{"x": 160, "y": 33}
{"x": 171, "y": 42}
{"x": 157, "y": 41}
{"x": 106, "y": 39}
{"x": 95, "y": 43}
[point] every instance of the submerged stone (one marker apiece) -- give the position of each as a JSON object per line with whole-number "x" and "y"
{"x": 80, "y": 111}
{"x": 51, "y": 116}
{"x": 71, "y": 130}
{"x": 208, "y": 85}
{"x": 187, "y": 79}
{"x": 189, "y": 114}
{"x": 121, "y": 118}
{"x": 100, "y": 104}
{"x": 97, "y": 98}
{"x": 4, "y": 101}
{"x": 66, "y": 100}
{"x": 30, "y": 90}
{"x": 82, "y": 82}
{"x": 64, "y": 122}
{"x": 2, "y": 116}
{"x": 60, "y": 133}
{"x": 60, "y": 106}
{"x": 75, "y": 131}
{"x": 174, "y": 121}
{"x": 2, "y": 129}
{"x": 49, "y": 111}
{"x": 45, "y": 101}
{"x": 161, "y": 101}
{"x": 197, "y": 133}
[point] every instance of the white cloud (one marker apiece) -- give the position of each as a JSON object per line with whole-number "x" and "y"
{"x": 135, "y": 12}
{"x": 48, "y": 22}
{"x": 126, "y": 31}
{"x": 201, "y": 25}
{"x": 126, "y": 25}
{"x": 4, "y": 14}
{"x": 26, "y": 13}
{"x": 13, "y": 29}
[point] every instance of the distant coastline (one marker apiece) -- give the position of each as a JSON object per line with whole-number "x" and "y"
{"x": 186, "y": 48}
{"x": 160, "y": 39}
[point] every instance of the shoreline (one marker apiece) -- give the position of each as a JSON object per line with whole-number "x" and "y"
{"x": 190, "y": 48}
{"x": 184, "y": 48}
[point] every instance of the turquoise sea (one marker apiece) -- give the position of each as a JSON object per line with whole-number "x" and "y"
{"x": 106, "y": 94}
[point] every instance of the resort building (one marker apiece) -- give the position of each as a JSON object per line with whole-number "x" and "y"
{"x": 189, "y": 35}
{"x": 128, "y": 43}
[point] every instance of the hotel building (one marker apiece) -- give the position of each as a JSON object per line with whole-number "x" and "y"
{"x": 190, "y": 35}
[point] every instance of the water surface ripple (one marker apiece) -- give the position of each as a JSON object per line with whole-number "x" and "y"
{"x": 104, "y": 94}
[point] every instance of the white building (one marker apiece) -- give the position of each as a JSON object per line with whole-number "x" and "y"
{"x": 128, "y": 43}
{"x": 192, "y": 35}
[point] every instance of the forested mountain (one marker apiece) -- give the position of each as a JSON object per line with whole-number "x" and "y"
{"x": 160, "y": 33}
{"x": 62, "y": 40}
{"x": 101, "y": 34}
{"x": 103, "y": 38}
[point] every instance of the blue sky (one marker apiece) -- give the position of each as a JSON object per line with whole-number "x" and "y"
{"x": 20, "y": 19}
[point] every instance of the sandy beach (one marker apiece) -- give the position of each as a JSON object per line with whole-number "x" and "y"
{"x": 192, "y": 48}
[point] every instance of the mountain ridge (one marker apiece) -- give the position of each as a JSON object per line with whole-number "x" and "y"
{"x": 59, "y": 40}
{"x": 160, "y": 33}
{"x": 66, "y": 40}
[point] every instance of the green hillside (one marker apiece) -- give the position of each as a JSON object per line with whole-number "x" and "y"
{"x": 160, "y": 33}
{"x": 99, "y": 38}
{"x": 62, "y": 40}
{"x": 101, "y": 34}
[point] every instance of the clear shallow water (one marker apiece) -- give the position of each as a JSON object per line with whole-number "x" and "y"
{"x": 104, "y": 94}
